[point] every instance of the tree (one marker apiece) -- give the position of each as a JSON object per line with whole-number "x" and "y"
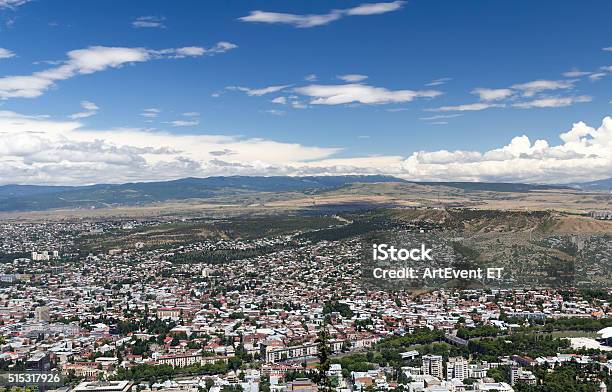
{"x": 264, "y": 384}
{"x": 323, "y": 354}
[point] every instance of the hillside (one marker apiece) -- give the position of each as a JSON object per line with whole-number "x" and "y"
{"x": 599, "y": 185}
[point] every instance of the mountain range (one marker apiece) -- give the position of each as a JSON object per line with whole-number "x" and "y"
{"x": 37, "y": 198}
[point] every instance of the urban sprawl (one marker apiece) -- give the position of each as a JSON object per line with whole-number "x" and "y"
{"x": 296, "y": 317}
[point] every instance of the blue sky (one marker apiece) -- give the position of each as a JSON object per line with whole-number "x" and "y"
{"x": 351, "y": 81}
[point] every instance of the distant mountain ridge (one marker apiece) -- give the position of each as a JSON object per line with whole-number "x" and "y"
{"x": 495, "y": 186}
{"x": 36, "y": 198}
{"x": 11, "y": 190}
{"x": 598, "y": 185}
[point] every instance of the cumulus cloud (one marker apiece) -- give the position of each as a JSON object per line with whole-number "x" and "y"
{"x": 90, "y": 60}
{"x": 149, "y": 22}
{"x": 39, "y": 150}
{"x": 90, "y": 110}
{"x": 360, "y": 93}
{"x": 313, "y": 20}
{"x": 5, "y": 53}
{"x": 585, "y": 154}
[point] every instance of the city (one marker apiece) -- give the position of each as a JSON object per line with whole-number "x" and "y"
{"x": 230, "y": 313}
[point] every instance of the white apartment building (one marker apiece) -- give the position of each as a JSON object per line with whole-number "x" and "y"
{"x": 457, "y": 367}
{"x": 518, "y": 374}
{"x": 432, "y": 366}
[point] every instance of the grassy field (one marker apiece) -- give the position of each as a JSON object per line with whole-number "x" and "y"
{"x": 574, "y": 334}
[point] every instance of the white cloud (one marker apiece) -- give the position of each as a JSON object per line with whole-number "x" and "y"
{"x": 575, "y": 73}
{"x": 440, "y": 116}
{"x": 508, "y": 97}
{"x": 221, "y": 47}
{"x": 310, "y": 78}
{"x": 593, "y": 76}
{"x": 88, "y": 105}
{"x": 438, "y": 82}
{"x": 467, "y": 107}
{"x": 38, "y": 150}
{"x": 149, "y": 22}
{"x": 150, "y": 112}
{"x": 298, "y": 105}
{"x": 5, "y": 53}
{"x": 552, "y": 102}
{"x": 313, "y": 20}
{"x": 258, "y": 91}
{"x": 78, "y": 115}
{"x": 183, "y": 123}
{"x": 191, "y": 114}
{"x": 90, "y": 60}
{"x": 302, "y": 21}
{"x": 361, "y": 93}
{"x": 583, "y": 148}
{"x": 90, "y": 110}
{"x": 193, "y": 51}
{"x": 531, "y": 88}
{"x": 608, "y": 49}
{"x": 280, "y": 100}
{"x": 375, "y": 8}
{"x": 488, "y": 94}
{"x": 596, "y": 76}
{"x": 12, "y": 3}
{"x": 352, "y": 78}
{"x": 190, "y": 51}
